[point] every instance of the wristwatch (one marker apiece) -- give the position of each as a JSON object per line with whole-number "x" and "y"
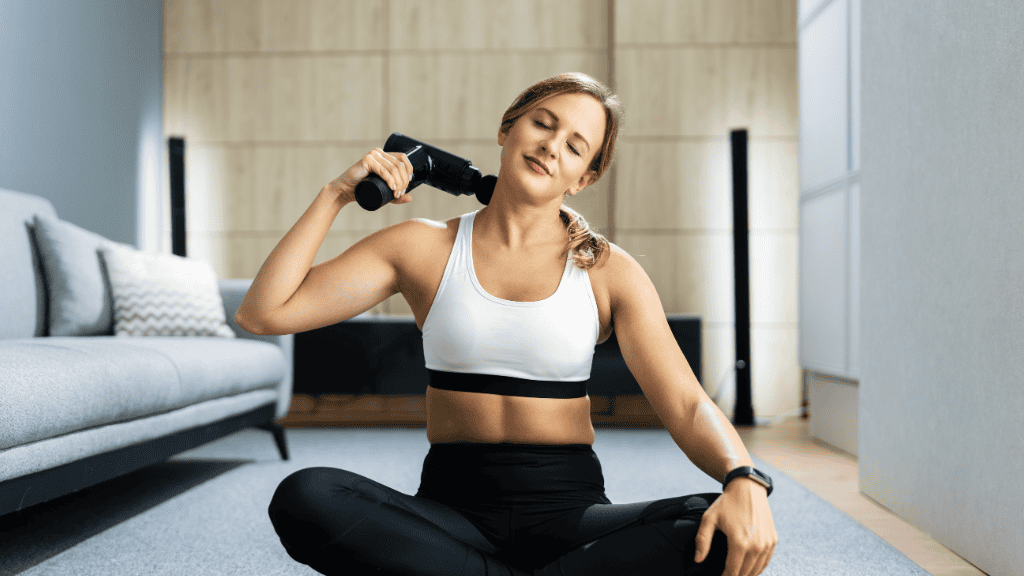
{"x": 752, "y": 473}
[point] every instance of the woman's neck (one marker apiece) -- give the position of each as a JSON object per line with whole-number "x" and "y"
{"x": 519, "y": 227}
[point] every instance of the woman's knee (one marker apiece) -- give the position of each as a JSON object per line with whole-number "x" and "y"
{"x": 298, "y": 505}
{"x": 682, "y": 533}
{"x": 314, "y": 485}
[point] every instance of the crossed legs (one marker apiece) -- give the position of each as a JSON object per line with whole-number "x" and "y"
{"x": 340, "y": 522}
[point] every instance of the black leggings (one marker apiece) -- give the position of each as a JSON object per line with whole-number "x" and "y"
{"x": 488, "y": 509}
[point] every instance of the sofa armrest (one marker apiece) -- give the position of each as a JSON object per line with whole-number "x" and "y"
{"x": 232, "y": 291}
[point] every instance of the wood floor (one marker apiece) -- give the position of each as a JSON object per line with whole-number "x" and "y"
{"x": 827, "y": 471}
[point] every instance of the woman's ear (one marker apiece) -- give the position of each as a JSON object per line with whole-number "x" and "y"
{"x": 588, "y": 178}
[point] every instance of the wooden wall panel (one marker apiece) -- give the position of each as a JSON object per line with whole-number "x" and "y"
{"x": 705, "y": 21}
{"x": 776, "y": 376}
{"x": 685, "y": 184}
{"x": 441, "y": 96}
{"x": 210, "y": 26}
{"x": 773, "y": 180}
{"x": 274, "y": 98}
{"x": 708, "y": 91}
{"x": 265, "y": 188}
{"x": 323, "y": 25}
{"x": 471, "y": 25}
{"x": 673, "y": 185}
{"x": 692, "y": 272}
{"x": 773, "y": 257}
{"x": 219, "y": 26}
{"x": 718, "y": 353}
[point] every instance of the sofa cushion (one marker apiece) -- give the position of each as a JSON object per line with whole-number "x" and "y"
{"x": 53, "y": 386}
{"x": 22, "y": 283}
{"x": 79, "y": 292}
{"x": 53, "y": 452}
{"x": 159, "y": 294}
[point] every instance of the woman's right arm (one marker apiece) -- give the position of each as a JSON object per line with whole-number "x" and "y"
{"x": 289, "y": 296}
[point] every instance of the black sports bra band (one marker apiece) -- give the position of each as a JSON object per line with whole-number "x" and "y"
{"x": 506, "y": 385}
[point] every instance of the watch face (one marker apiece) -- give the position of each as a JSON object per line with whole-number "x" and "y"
{"x": 761, "y": 479}
{"x": 755, "y": 475}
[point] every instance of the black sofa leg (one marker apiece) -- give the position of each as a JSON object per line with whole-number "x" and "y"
{"x": 278, "y": 431}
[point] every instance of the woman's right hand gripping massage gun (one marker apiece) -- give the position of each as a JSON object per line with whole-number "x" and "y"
{"x": 431, "y": 166}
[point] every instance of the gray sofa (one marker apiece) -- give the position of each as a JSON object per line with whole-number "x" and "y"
{"x": 76, "y": 410}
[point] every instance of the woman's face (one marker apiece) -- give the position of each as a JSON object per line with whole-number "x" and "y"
{"x": 564, "y": 132}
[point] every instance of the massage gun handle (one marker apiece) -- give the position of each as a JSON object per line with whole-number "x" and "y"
{"x": 372, "y": 193}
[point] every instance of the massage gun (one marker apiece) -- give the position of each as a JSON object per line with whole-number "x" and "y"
{"x": 431, "y": 166}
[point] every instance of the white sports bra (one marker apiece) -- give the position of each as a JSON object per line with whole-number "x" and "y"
{"x": 476, "y": 342}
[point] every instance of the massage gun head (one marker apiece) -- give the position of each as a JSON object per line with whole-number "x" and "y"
{"x": 484, "y": 188}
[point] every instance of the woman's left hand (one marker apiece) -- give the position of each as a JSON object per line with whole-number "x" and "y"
{"x": 743, "y": 515}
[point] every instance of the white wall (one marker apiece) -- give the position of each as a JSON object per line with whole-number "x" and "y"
{"x": 81, "y": 112}
{"x": 942, "y": 272}
{"x": 829, "y": 49}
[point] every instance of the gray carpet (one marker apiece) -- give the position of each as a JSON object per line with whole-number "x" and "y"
{"x": 204, "y": 511}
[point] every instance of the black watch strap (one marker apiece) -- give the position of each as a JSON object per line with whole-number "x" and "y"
{"x": 752, "y": 473}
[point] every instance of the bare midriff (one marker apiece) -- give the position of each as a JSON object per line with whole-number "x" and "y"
{"x": 455, "y": 416}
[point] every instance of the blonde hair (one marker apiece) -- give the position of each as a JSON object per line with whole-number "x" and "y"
{"x": 585, "y": 244}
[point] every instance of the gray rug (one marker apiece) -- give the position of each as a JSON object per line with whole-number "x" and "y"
{"x": 204, "y": 511}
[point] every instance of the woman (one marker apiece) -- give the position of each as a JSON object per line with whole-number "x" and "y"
{"x": 511, "y": 300}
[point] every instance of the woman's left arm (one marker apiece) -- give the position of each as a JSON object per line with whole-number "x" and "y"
{"x": 696, "y": 424}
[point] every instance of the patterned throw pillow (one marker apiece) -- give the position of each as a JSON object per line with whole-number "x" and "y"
{"x": 159, "y": 294}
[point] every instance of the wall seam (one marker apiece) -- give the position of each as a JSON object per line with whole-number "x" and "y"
{"x": 703, "y": 45}
{"x": 611, "y": 84}
{"x": 371, "y": 53}
{"x": 849, "y": 167}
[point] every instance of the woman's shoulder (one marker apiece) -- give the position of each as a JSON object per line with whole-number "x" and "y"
{"x": 426, "y": 224}
{"x": 422, "y": 236}
{"x": 617, "y": 272}
{"x": 424, "y": 228}
{"x": 612, "y": 261}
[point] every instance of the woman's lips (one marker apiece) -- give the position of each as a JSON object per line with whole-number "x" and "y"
{"x": 535, "y": 167}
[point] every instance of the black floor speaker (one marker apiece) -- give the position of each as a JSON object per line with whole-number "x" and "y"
{"x": 743, "y": 412}
{"x": 176, "y": 149}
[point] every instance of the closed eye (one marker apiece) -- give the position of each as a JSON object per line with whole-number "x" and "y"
{"x": 538, "y": 123}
